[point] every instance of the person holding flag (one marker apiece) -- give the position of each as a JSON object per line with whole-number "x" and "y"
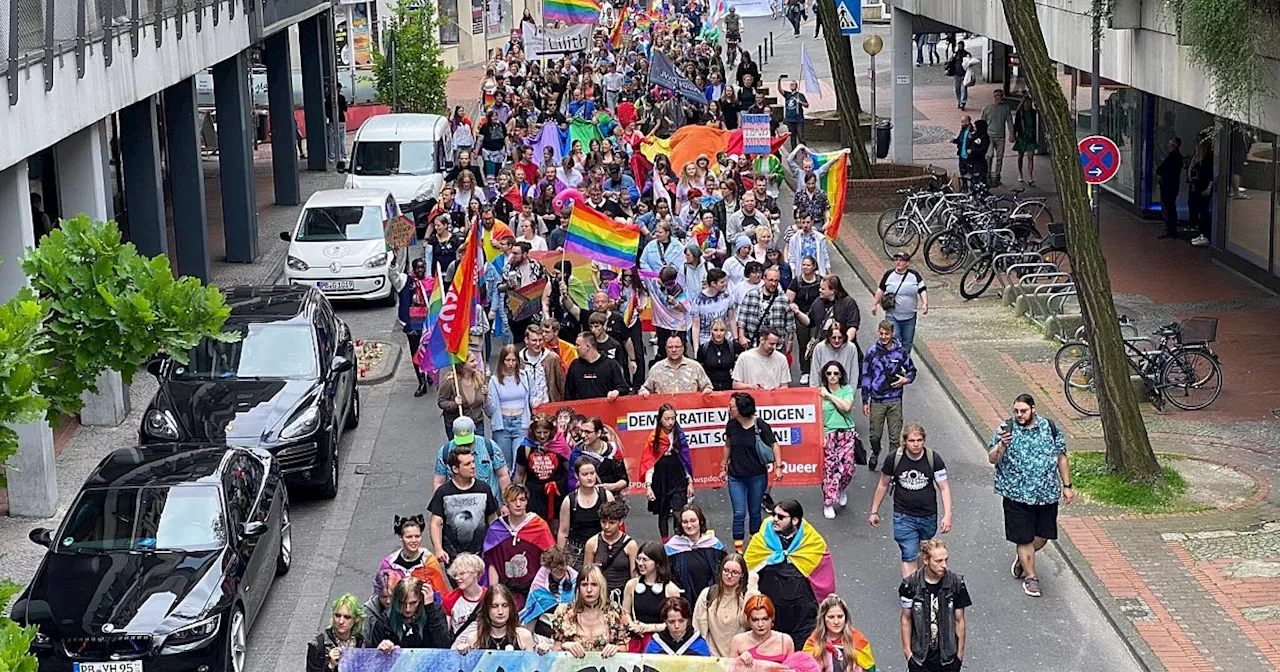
{"x": 414, "y": 290}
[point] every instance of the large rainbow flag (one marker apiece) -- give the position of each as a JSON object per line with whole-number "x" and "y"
{"x": 571, "y": 11}
{"x": 595, "y": 236}
{"x": 615, "y": 35}
{"x": 460, "y": 301}
{"x": 832, "y": 169}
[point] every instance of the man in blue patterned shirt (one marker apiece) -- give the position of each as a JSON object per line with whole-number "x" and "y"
{"x": 1032, "y": 474}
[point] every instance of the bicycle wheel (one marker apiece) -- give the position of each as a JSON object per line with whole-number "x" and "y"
{"x": 902, "y": 236}
{"x": 977, "y": 278}
{"x": 1081, "y": 387}
{"x": 888, "y": 217}
{"x": 945, "y": 251}
{"x": 1191, "y": 380}
{"x": 1039, "y": 212}
{"x": 1069, "y": 354}
{"x": 1058, "y": 257}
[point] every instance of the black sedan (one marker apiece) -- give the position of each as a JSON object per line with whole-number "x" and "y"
{"x": 287, "y": 385}
{"x": 162, "y": 563}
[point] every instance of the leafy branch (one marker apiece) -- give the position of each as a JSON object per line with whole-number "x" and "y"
{"x": 411, "y": 76}
{"x": 1229, "y": 38}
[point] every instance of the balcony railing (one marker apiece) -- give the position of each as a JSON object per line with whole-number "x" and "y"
{"x": 46, "y": 33}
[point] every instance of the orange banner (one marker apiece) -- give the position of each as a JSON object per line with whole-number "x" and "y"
{"x": 795, "y": 414}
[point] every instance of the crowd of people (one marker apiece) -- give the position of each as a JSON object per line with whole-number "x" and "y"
{"x": 526, "y": 544}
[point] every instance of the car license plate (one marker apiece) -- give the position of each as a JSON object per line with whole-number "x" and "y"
{"x": 336, "y": 285}
{"x": 110, "y": 666}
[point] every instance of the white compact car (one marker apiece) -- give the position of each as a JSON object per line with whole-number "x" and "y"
{"x": 339, "y": 245}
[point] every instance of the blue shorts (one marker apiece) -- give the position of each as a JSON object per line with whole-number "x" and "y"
{"x": 910, "y": 530}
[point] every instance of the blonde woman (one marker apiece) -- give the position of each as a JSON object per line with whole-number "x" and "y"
{"x": 463, "y": 391}
{"x": 764, "y": 240}
{"x": 509, "y": 404}
{"x": 718, "y": 614}
{"x": 835, "y": 643}
{"x": 591, "y": 622}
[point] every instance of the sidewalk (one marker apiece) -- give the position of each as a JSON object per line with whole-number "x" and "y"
{"x": 1190, "y": 592}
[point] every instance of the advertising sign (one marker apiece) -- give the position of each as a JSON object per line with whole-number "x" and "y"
{"x": 795, "y": 414}
{"x": 757, "y": 136}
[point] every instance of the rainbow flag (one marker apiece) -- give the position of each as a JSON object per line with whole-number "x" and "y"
{"x": 432, "y": 355}
{"x": 460, "y": 302}
{"x": 615, "y": 36}
{"x": 644, "y": 20}
{"x": 571, "y": 11}
{"x": 601, "y": 239}
{"x": 832, "y": 170}
{"x": 525, "y": 302}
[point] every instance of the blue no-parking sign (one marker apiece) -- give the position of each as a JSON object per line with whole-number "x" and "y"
{"x": 1099, "y": 159}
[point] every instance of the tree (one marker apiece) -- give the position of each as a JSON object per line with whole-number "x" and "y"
{"x": 1128, "y": 446}
{"x": 847, "y": 102}
{"x": 411, "y": 75}
{"x": 94, "y": 305}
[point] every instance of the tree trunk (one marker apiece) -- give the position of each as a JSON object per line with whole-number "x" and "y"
{"x": 848, "y": 106}
{"x": 1128, "y": 446}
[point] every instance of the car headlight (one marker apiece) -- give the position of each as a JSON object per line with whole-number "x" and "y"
{"x": 426, "y": 192}
{"x": 186, "y": 638}
{"x": 296, "y": 263}
{"x": 303, "y": 424}
{"x": 160, "y": 424}
{"x": 376, "y": 261}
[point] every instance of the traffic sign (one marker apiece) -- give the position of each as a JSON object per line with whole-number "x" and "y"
{"x": 849, "y": 16}
{"x": 1099, "y": 159}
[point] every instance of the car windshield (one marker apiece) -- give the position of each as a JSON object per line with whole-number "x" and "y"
{"x": 150, "y": 518}
{"x": 344, "y": 222}
{"x": 395, "y": 158}
{"x": 265, "y": 350}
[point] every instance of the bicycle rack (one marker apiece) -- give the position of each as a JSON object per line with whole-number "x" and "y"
{"x": 1039, "y": 267}
{"x": 1055, "y": 274}
{"x": 1062, "y": 300}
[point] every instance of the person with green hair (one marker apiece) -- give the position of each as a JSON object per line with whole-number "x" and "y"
{"x": 344, "y": 632}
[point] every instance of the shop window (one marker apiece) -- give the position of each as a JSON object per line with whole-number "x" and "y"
{"x": 1120, "y": 119}
{"x": 1249, "y": 178}
{"x": 1175, "y": 120}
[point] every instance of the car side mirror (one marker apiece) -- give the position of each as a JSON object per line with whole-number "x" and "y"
{"x": 42, "y": 536}
{"x": 155, "y": 367}
{"x": 340, "y": 364}
{"x": 286, "y": 236}
{"x": 253, "y": 528}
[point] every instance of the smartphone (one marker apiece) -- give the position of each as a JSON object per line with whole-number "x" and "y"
{"x": 1004, "y": 427}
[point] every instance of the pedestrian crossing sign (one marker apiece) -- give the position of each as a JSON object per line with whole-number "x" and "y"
{"x": 849, "y": 16}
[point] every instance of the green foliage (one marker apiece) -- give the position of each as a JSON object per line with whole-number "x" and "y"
{"x": 411, "y": 76}
{"x": 22, "y": 344}
{"x": 15, "y": 641}
{"x": 1228, "y": 38}
{"x": 1092, "y": 478}
{"x": 111, "y": 309}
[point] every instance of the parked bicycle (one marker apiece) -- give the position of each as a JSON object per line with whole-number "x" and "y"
{"x": 1181, "y": 370}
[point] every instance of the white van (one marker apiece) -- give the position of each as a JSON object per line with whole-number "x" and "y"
{"x": 406, "y": 154}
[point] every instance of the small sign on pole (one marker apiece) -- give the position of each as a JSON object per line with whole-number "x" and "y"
{"x": 1099, "y": 159}
{"x": 757, "y": 136}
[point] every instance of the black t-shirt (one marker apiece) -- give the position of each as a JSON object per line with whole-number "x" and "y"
{"x": 443, "y": 253}
{"x": 744, "y": 461}
{"x": 466, "y": 515}
{"x": 612, "y": 349}
{"x": 961, "y": 601}
{"x": 494, "y": 136}
{"x": 594, "y": 380}
{"x": 915, "y": 493}
{"x": 806, "y": 292}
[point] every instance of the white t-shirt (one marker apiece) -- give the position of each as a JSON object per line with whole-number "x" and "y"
{"x": 770, "y": 373}
{"x": 613, "y": 82}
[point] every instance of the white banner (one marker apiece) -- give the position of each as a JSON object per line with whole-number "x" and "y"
{"x": 540, "y": 42}
{"x": 750, "y": 8}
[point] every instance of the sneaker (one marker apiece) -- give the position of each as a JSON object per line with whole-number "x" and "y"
{"x": 1016, "y": 569}
{"x": 829, "y": 513}
{"x": 844, "y": 499}
{"x": 1031, "y": 586}
{"x": 871, "y": 462}
{"x": 804, "y": 379}
{"x": 1200, "y": 241}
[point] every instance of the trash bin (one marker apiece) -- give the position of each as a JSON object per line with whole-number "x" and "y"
{"x": 882, "y": 139}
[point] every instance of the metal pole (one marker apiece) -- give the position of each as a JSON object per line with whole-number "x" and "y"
{"x": 760, "y": 53}
{"x": 1095, "y": 95}
{"x": 771, "y": 43}
{"x": 875, "y": 153}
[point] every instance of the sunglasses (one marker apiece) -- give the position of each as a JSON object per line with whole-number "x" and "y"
{"x": 833, "y": 373}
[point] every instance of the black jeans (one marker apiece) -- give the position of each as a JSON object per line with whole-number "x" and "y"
{"x": 1198, "y": 204}
{"x": 817, "y": 26}
{"x": 1169, "y": 211}
{"x": 797, "y": 132}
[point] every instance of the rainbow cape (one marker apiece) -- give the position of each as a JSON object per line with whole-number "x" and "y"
{"x": 862, "y": 658}
{"x": 832, "y": 169}
{"x": 529, "y": 539}
{"x": 808, "y": 552}
{"x": 571, "y": 11}
{"x": 595, "y": 236}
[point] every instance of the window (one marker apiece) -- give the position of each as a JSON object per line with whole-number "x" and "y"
{"x": 348, "y": 222}
{"x": 396, "y": 158}
{"x": 1119, "y": 118}
{"x": 1174, "y": 120}
{"x": 1249, "y": 178}
{"x": 448, "y": 17}
{"x": 241, "y": 483}
{"x": 265, "y": 350}
{"x": 177, "y": 518}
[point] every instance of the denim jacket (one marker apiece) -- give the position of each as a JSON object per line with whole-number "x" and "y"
{"x": 880, "y": 368}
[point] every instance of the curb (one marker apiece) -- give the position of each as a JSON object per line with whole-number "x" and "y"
{"x": 388, "y": 368}
{"x": 1133, "y": 641}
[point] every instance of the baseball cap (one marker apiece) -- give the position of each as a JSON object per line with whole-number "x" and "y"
{"x": 903, "y": 256}
{"x": 464, "y": 431}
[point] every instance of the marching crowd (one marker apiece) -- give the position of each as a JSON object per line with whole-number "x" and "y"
{"x": 524, "y": 545}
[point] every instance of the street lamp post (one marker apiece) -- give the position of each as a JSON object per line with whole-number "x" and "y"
{"x": 873, "y": 45}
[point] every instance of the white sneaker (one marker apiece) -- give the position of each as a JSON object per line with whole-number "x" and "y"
{"x": 844, "y": 499}
{"x": 804, "y": 379}
{"x": 1200, "y": 241}
{"x": 828, "y": 513}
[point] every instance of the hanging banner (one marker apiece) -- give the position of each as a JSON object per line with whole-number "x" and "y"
{"x": 437, "y": 660}
{"x": 757, "y": 136}
{"x": 540, "y": 42}
{"x": 795, "y": 414}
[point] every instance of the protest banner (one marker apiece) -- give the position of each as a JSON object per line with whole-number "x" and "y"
{"x": 436, "y": 660}
{"x": 795, "y": 414}
{"x": 540, "y": 42}
{"x": 757, "y": 136}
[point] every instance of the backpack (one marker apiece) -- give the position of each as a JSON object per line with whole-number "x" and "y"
{"x": 897, "y": 457}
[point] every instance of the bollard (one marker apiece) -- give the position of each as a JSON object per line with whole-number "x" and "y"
{"x": 760, "y": 54}
{"x": 771, "y": 43}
